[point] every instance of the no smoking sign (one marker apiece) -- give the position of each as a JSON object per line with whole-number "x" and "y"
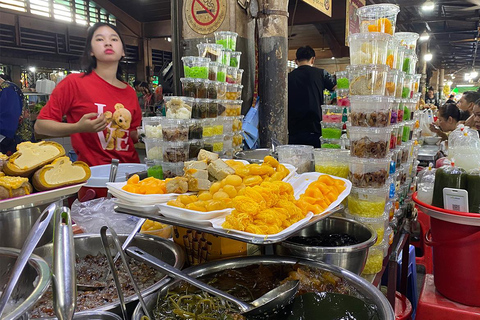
{"x": 205, "y": 16}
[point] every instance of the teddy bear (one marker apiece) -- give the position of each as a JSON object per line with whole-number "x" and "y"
{"x": 117, "y": 121}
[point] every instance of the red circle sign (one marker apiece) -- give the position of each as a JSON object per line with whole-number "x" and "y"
{"x": 205, "y": 16}
{"x": 205, "y": 10}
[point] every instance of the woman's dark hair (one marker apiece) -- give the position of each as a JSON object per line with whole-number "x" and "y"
{"x": 451, "y": 110}
{"x": 89, "y": 62}
{"x": 145, "y": 85}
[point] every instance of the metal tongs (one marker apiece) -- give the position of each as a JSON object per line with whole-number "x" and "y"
{"x": 103, "y": 234}
{"x": 64, "y": 275}
{"x": 30, "y": 243}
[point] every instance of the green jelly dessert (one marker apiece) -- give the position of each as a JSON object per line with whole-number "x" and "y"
{"x": 196, "y": 72}
{"x": 221, "y": 76}
{"x": 342, "y": 83}
{"x": 331, "y": 133}
{"x": 405, "y": 92}
{"x": 330, "y": 146}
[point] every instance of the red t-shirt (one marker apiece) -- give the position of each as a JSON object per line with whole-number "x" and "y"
{"x": 77, "y": 95}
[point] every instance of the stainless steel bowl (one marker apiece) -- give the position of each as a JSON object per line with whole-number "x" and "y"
{"x": 32, "y": 283}
{"x": 254, "y": 156}
{"x": 163, "y": 249}
{"x": 363, "y": 287}
{"x": 352, "y": 258}
{"x": 95, "y": 315}
{"x": 15, "y": 224}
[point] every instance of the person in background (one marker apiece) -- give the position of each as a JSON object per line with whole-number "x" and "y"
{"x": 146, "y": 99}
{"x": 476, "y": 115}
{"x": 431, "y": 98}
{"x": 466, "y": 103}
{"x": 305, "y": 98}
{"x": 451, "y": 99}
{"x": 448, "y": 117}
{"x": 11, "y": 103}
{"x": 102, "y": 110}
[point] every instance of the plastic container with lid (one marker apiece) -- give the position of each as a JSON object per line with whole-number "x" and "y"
{"x": 195, "y": 146}
{"x": 409, "y": 108}
{"x": 189, "y": 88}
{"x": 212, "y": 111}
{"x": 227, "y": 39}
{"x": 400, "y": 133}
{"x": 175, "y": 130}
{"x": 226, "y": 56}
{"x": 368, "y": 202}
{"x": 227, "y": 141}
{"x": 394, "y": 114}
{"x": 221, "y": 90}
{"x": 408, "y": 131}
{"x": 217, "y": 127}
{"x": 449, "y": 176}
{"x": 239, "y": 76}
{"x": 407, "y": 39}
{"x": 426, "y": 183}
{"x": 171, "y": 169}
{"x": 393, "y": 137}
{"x": 374, "y": 262}
{"x": 407, "y": 86}
{"x": 178, "y": 107}
{"x": 237, "y": 141}
{"x": 368, "y": 48}
{"x": 416, "y": 85}
{"x": 231, "y": 75}
{"x": 214, "y": 144}
{"x": 227, "y": 124}
{"x": 195, "y": 67}
{"x": 153, "y": 148}
{"x": 231, "y": 108}
{"x": 195, "y": 129}
{"x": 237, "y": 124}
{"x": 369, "y": 173}
{"x": 234, "y": 91}
{"x": 331, "y": 113}
{"x": 369, "y": 142}
{"x": 400, "y": 56}
{"x": 401, "y": 109}
{"x": 331, "y": 130}
{"x": 378, "y": 18}
{"x": 400, "y": 82}
{"x": 152, "y": 127}
{"x": 221, "y": 72}
{"x": 473, "y": 187}
{"x": 212, "y": 51}
{"x": 175, "y": 151}
{"x": 332, "y": 161}
{"x": 331, "y": 143}
{"x": 391, "y": 84}
{"x": 212, "y": 70}
{"x": 300, "y": 156}
{"x": 200, "y": 108}
{"x": 392, "y": 53}
{"x": 235, "y": 59}
{"x": 342, "y": 79}
{"x": 343, "y": 99}
{"x": 367, "y": 79}
{"x": 370, "y": 111}
{"x": 409, "y": 57}
{"x": 212, "y": 89}
{"x": 379, "y": 224}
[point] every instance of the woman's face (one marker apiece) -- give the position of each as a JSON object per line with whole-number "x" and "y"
{"x": 476, "y": 115}
{"x": 106, "y": 45}
{"x": 446, "y": 124}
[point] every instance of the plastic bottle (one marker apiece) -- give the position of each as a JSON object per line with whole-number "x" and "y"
{"x": 448, "y": 177}
{"x": 473, "y": 188}
{"x": 426, "y": 183}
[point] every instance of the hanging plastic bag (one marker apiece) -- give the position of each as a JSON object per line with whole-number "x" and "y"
{"x": 426, "y": 183}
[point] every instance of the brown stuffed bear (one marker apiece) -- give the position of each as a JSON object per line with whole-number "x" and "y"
{"x": 120, "y": 119}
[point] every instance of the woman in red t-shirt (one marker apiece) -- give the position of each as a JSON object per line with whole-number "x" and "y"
{"x": 102, "y": 110}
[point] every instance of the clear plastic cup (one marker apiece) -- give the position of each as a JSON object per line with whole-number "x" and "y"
{"x": 370, "y": 111}
{"x": 188, "y": 87}
{"x": 374, "y": 262}
{"x": 153, "y": 148}
{"x": 378, "y": 18}
{"x": 222, "y": 73}
{"x": 233, "y": 108}
{"x": 237, "y": 141}
{"x": 212, "y": 51}
{"x": 331, "y": 143}
{"x": 200, "y": 108}
{"x": 239, "y": 76}
{"x": 195, "y": 67}
{"x": 201, "y": 86}
{"x": 407, "y": 39}
{"x": 400, "y": 133}
{"x": 379, "y": 224}
{"x": 342, "y": 79}
{"x": 195, "y": 147}
{"x": 172, "y": 169}
{"x": 392, "y": 53}
{"x": 394, "y": 114}
{"x": 367, "y": 79}
{"x": 369, "y": 142}
{"x": 227, "y": 39}
{"x": 175, "y": 151}
{"x": 237, "y": 124}
{"x": 331, "y": 130}
{"x": 332, "y": 161}
{"x": 195, "y": 129}
{"x": 212, "y": 111}
{"x": 212, "y": 89}
{"x": 175, "y": 130}
{"x": 393, "y": 138}
{"x": 408, "y": 131}
{"x": 416, "y": 84}
{"x": 212, "y": 70}
{"x": 226, "y": 57}
{"x": 399, "y": 87}
{"x": 413, "y": 65}
{"x": 368, "y": 202}
{"x": 300, "y": 156}
{"x": 221, "y": 90}
{"x": 152, "y": 127}
{"x": 407, "y": 91}
{"x": 217, "y": 127}
{"x": 214, "y": 144}
{"x": 343, "y": 97}
{"x": 228, "y": 141}
{"x": 331, "y": 113}
{"x": 409, "y": 109}
{"x": 369, "y": 173}
{"x": 178, "y": 107}
{"x": 400, "y": 56}
{"x": 208, "y": 128}
{"x": 235, "y": 59}
{"x": 222, "y": 107}
{"x": 407, "y": 60}
{"x": 227, "y": 124}
{"x": 231, "y": 75}
{"x": 392, "y": 81}
{"x": 234, "y": 91}
{"x": 368, "y": 48}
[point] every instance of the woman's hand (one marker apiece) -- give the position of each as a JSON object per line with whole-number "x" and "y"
{"x": 88, "y": 124}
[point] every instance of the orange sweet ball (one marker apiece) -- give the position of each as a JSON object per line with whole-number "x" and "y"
{"x": 149, "y": 185}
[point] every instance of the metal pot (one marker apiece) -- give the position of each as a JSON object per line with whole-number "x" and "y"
{"x": 15, "y": 223}
{"x": 163, "y": 249}
{"x": 32, "y": 283}
{"x": 352, "y": 258}
{"x": 255, "y": 155}
{"x": 95, "y": 315}
{"x": 363, "y": 287}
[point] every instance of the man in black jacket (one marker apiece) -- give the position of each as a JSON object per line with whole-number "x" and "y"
{"x": 305, "y": 98}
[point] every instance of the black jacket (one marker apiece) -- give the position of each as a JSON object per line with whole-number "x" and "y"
{"x": 305, "y": 98}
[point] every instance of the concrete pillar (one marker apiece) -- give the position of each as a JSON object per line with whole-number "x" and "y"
{"x": 423, "y": 63}
{"x": 440, "y": 83}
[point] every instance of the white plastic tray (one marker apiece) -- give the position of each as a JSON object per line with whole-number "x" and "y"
{"x": 116, "y": 190}
{"x": 191, "y": 215}
{"x": 150, "y": 208}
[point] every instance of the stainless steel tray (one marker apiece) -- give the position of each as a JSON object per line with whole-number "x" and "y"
{"x": 225, "y": 233}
